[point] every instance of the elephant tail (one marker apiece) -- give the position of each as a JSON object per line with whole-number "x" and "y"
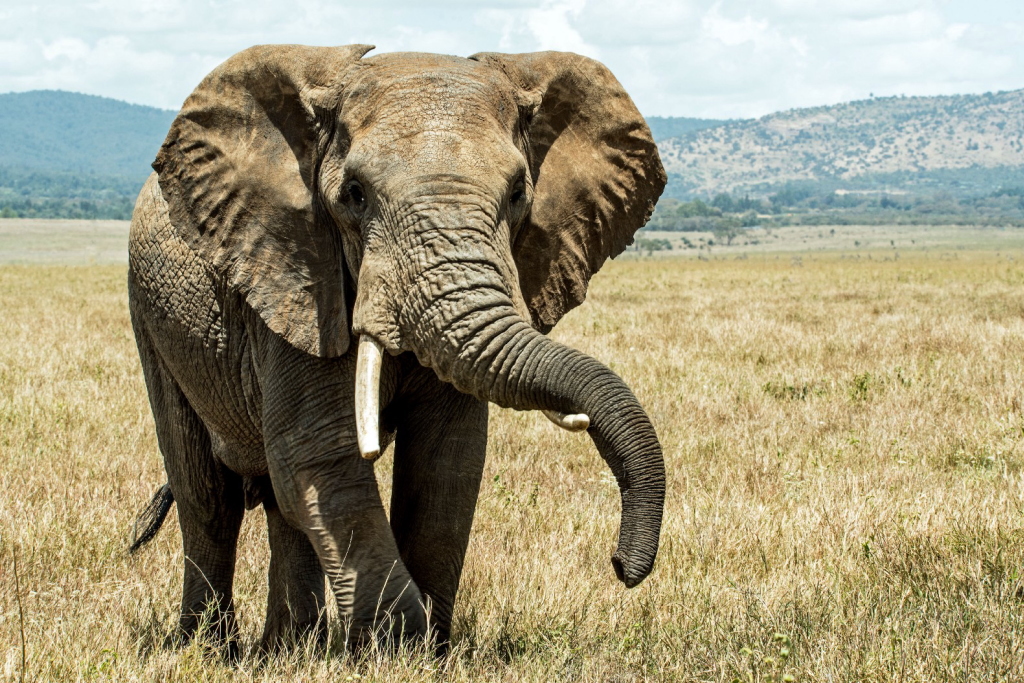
{"x": 149, "y": 521}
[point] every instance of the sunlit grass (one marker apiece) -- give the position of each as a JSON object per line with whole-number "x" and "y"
{"x": 846, "y": 498}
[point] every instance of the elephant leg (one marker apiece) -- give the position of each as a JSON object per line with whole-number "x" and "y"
{"x": 210, "y": 505}
{"x": 209, "y": 531}
{"x": 325, "y": 488}
{"x": 295, "y": 602}
{"x": 439, "y": 460}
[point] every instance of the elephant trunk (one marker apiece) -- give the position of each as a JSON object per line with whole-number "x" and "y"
{"x": 477, "y": 341}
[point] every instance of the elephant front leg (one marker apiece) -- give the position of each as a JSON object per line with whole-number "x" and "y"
{"x": 339, "y": 507}
{"x": 439, "y": 460}
{"x": 325, "y": 488}
{"x": 296, "y": 609}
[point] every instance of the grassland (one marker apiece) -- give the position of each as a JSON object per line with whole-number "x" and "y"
{"x": 848, "y": 242}
{"x": 845, "y": 448}
{"x": 46, "y": 241}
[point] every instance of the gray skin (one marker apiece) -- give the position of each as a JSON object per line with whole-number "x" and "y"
{"x": 453, "y": 210}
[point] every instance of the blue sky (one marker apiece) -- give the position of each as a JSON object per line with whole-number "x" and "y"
{"x": 710, "y": 58}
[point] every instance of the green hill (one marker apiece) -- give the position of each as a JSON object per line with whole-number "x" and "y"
{"x": 71, "y": 155}
{"x": 68, "y": 155}
{"x": 57, "y": 131}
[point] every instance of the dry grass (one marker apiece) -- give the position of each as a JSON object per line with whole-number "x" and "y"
{"x": 845, "y": 502}
{"x": 848, "y": 242}
{"x": 49, "y": 241}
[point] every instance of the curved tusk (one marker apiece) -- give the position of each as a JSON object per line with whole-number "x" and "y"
{"x": 571, "y": 423}
{"x": 368, "y": 396}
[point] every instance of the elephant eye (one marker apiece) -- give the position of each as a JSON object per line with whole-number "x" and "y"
{"x": 354, "y": 196}
{"x": 518, "y": 193}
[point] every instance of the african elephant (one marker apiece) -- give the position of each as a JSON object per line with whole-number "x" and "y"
{"x": 312, "y": 210}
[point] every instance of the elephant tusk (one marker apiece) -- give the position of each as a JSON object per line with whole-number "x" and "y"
{"x": 570, "y": 423}
{"x": 368, "y": 396}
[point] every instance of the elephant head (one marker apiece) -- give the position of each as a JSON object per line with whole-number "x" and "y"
{"x": 453, "y": 208}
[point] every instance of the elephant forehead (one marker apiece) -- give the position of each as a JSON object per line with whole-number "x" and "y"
{"x": 410, "y": 93}
{"x": 430, "y": 153}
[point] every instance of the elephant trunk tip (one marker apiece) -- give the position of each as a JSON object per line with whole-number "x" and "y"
{"x": 629, "y": 575}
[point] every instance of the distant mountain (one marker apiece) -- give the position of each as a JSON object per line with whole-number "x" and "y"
{"x": 665, "y": 127}
{"x": 68, "y": 155}
{"x": 57, "y": 131}
{"x": 896, "y": 140}
{"x": 65, "y": 154}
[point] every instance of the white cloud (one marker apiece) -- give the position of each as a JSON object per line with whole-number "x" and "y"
{"x": 552, "y": 29}
{"x": 956, "y": 31}
{"x": 548, "y": 25}
{"x": 69, "y": 48}
{"x": 732, "y": 33}
{"x": 713, "y": 58}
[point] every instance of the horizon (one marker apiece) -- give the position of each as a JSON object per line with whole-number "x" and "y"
{"x": 870, "y": 98}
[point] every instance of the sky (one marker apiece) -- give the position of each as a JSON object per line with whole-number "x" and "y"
{"x": 702, "y": 58}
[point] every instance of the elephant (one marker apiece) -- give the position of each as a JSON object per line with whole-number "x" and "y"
{"x": 337, "y": 253}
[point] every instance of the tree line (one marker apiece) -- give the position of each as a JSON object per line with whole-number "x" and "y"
{"x": 45, "y": 194}
{"x": 727, "y": 215}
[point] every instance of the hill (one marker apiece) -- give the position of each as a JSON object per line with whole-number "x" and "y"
{"x": 57, "y": 131}
{"x": 70, "y": 155}
{"x": 665, "y": 127}
{"x": 893, "y": 142}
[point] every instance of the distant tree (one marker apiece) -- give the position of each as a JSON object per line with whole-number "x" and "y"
{"x": 728, "y": 231}
{"x": 651, "y": 245}
{"x": 749, "y": 219}
{"x": 724, "y": 202}
{"x": 887, "y": 203}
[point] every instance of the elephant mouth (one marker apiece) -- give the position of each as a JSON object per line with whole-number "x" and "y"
{"x": 367, "y": 398}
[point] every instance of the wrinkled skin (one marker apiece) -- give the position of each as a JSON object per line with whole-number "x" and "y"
{"x": 452, "y": 210}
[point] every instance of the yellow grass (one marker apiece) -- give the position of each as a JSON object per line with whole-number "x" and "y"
{"x": 46, "y": 240}
{"x": 846, "y": 499}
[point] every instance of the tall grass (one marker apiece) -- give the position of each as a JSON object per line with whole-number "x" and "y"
{"x": 845, "y": 501}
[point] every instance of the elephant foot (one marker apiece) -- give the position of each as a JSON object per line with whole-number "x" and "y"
{"x": 286, "y": 634}
{"x": 220, "y": 634}
{"x": 442, "y": 644}
{"x": 228, "y": 650}
{"x": 392, "y": 633}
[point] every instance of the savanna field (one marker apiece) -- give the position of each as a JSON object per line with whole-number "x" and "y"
{"x": 843, "y": 428}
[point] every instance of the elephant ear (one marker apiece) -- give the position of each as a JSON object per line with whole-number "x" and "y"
{"x": 596, "y": 174}
{"x": 238, "y": 171}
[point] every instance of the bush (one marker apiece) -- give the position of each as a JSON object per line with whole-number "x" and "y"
{"x": 649, "y": 245}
